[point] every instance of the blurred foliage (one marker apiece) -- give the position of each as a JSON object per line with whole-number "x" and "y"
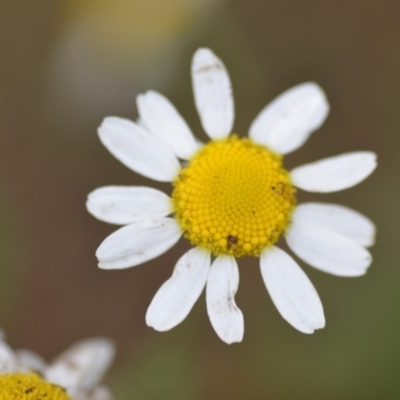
{"x": 12, "y": 251}
{"x": 129, "y": 32}
{"x": 161, "y": 368}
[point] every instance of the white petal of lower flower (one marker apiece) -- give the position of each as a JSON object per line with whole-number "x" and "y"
{"x": 8, "y": 361}
{"x": 335, "y": 173}
{"x": 127, "y": 204}
{"x": 342, "y": 220}
{"x": 226, "y": 318}
{"x": 176, "y": 297}
{"x": 162, "y": 119}
{"x": 137, "y": 243}
{"x": 212, "y": 94}
{"x": 327, "y": 250}
{"x": 29, "y": 361}
{"x": 287, "y": 122}
{"x": 291, "y": 291}
{"x": 138, "y": 150}
{"x": 82, "y": 366}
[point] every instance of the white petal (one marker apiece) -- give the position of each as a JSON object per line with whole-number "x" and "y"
{"x": 29, "y": 361}
{"x": 82, "y": 365}
{"x": 226, "y": 318}
{"x": 176, "y": 297}
{"x": 327, "y": 250}
{"x": 287, "y": 122}
{"x": 138, "y": 150}
{"x": 342, "y": 220}
{"x": 291, "y": 291}
{"x": 162, "y": 119}
{"x": 8, "y": 362}
{"x": 137, "y": 243}
{"x": 212, "y": 94}
{"x": 335, "y": 173}
{"x": 127, "y": 204}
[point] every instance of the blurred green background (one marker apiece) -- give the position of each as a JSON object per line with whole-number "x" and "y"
{"x": 67, "y": 64}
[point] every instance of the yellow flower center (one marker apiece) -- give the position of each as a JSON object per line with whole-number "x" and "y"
{"x": 29, "y": 386}
{"x": 234, "y": 197}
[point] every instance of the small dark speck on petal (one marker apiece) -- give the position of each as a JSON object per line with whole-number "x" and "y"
{"x": 207, "y": 68}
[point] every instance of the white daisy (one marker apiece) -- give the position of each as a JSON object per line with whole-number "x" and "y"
{"x": 231, "y": 198}
{"x": 74, "y": 375}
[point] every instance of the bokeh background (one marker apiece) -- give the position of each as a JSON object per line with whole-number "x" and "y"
{"x": 65, "y": 65}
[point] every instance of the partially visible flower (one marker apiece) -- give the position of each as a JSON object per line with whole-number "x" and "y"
{"x": 73, "y": 375}
{"x": 231, "y": 197}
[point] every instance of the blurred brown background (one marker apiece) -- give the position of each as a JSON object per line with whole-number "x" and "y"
{"x": 67, "y": 64}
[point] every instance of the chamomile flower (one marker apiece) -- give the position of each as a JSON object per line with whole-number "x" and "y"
{"x": 231, "y": 197}
{"x": 74, "y": 375}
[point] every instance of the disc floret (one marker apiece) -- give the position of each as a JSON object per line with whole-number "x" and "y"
{"x": 234, "y": 197}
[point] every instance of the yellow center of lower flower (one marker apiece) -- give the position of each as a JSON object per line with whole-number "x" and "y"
{"x": 29, "y": 386}
{"x": 234, "y": 197}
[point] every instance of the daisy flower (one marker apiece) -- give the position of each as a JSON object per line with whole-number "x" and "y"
{"x": 231, "y": 197}
{"x": 74, "y": 375}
